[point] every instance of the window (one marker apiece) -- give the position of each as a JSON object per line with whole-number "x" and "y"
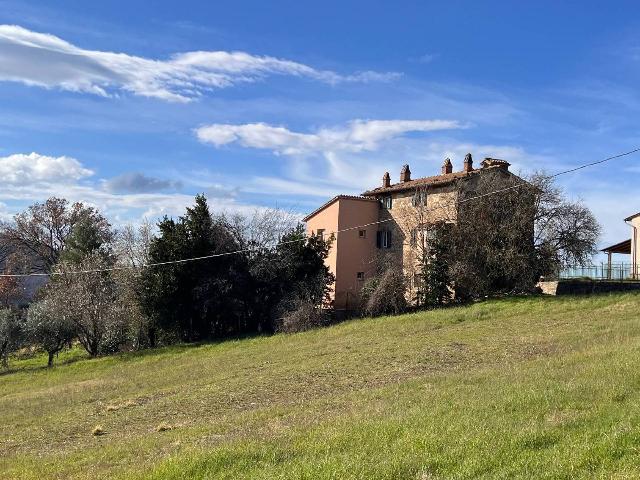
{"x": 383, "y": 239}
{"x": 320, "y": 233}
{"x": 387, "y": 202}
{"x": 419, "y": 198}
{"x": 360, "y": 275}
{"x": 422, "y": 235}
{"x": 362, "y": 234}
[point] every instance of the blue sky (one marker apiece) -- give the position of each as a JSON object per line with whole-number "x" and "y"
{"x": 136, "y": 107}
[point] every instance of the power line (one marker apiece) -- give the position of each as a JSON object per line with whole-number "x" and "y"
{"x": 336, "y": 232}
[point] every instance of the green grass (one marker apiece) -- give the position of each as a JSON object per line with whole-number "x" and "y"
{"x": 514, "y": 388}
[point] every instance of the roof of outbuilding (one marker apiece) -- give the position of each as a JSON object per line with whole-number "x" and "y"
{"x": 334, "y": 199}
{"x": 631, "y": 217}
{"x": 622, "y": 247}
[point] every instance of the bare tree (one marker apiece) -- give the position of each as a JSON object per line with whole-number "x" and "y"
{"x": 41, "y": 231}
{"x": 131, "y": 248}
{"x": 263, "y": 228}
{"x": 566, "y": 232}
{"x": 131, "y": 244}
{"x": 492, "y": 238}
{"x": 88, "y": 297}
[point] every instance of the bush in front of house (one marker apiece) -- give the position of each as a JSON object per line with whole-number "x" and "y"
{"x": 384, "y": 294}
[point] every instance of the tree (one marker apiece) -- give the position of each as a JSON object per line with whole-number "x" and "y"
{"x": 290, "y": 277}
{"x": 492, "y": 247}
{"x": 208, "y": 297}
{"x": 504, "y": 241}
{"x": 90, "y": 234}
{"x": 566, "y": 232}
{"x": 131, "y": 249}
{"x": 434, "y": 287}
{"x": 131, "y": 244}
{"x": 10, "y": 334}
{"x": 199, "y": 299}
{"x": 41, "y": 231}
{"x": 263, "y": 228}
{"x": 49, "y": 326}
{"x": 88, "y": 297}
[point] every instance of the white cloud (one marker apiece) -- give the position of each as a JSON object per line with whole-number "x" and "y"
{"x": 357, "y": 136}
{"x": 23, "y": 169}
{"x": 45, "y": 60}
{"x": 5, "y": 215}
{"x": 29, "y": 178}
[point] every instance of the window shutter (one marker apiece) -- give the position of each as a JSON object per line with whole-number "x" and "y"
{"x": 389, "y": 239}
{"x": 378, "y": 239}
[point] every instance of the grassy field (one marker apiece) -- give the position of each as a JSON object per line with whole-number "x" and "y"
{"x": 515, "y": 388}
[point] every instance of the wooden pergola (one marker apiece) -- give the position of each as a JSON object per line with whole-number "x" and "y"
{"x": 622, "y": 247}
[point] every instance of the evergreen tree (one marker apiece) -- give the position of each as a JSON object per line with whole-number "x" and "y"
{"x": 434, "y": 285}
{"x": 90, "y": 234}
{"x": 199, "y": 299}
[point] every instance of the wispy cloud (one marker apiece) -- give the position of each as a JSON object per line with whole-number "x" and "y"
{"x": 48, "y": 61}
{"x": 356, "y": 136}
{"x": 426, "y": 58}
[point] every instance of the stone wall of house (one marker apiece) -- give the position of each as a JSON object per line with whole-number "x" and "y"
{"x": 404, "y": 216}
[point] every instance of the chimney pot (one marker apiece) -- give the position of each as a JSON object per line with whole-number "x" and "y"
{"x": 468, "y": 163}
{"x": 447, "y": 166}
{"x": 489, "y": 162}
{"x": 386, "y": 180}
{"x": 405, "y": 174}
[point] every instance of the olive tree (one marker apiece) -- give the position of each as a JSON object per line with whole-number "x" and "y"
{"x": 10, "y": 334}
{"x": 49, "y": 326}
{"x": 87, "y": 295}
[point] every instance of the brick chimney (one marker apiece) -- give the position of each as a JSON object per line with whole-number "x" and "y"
{"x": 405, "y": 174}
{"x": 489, "y": 162}
{"x": 447, "y": 167}
{"x": 386, "y": 180}
{"x": 468, "y": 163}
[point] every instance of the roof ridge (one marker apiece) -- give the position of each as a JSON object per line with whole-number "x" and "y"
{"x": 336, "y": 198}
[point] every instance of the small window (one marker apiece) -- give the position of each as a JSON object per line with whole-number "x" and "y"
{"x": 362, "y": 234}
{"x": 387, "y": 202}
{"x": 320, "y": 233}
{"x": 360, "y": 275}
{"x": 383, "y": 239}
{"x": 419, "y": 198}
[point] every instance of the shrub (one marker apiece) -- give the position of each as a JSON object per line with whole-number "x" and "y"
{"x": 385, "y": 294}
{"x": 303, "y": 315}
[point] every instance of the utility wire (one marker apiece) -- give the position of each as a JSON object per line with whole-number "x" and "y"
{"x": 336, "y": 232}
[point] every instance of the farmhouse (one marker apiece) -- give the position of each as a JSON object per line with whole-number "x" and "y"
{"x": 389, "y": 220}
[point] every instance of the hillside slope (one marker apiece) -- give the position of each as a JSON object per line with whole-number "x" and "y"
{"x": 517, "y": 388}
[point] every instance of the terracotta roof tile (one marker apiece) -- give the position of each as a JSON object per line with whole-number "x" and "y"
{"x": 434, "y": 180}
